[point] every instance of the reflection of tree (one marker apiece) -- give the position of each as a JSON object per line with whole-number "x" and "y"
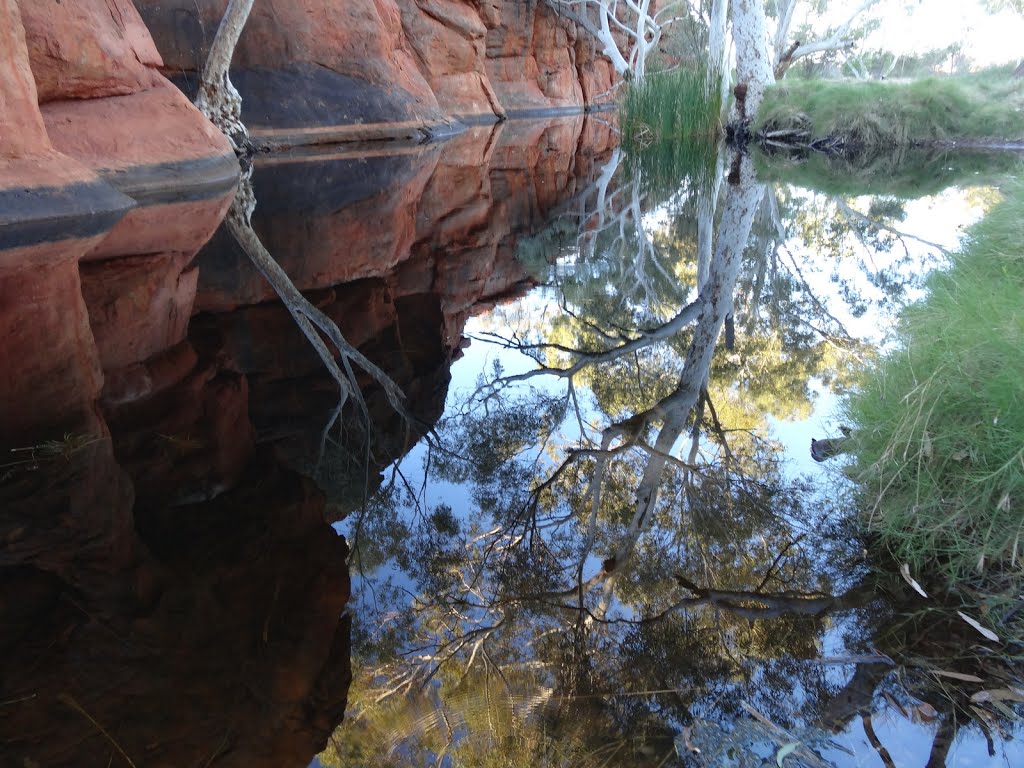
{"x": 632, "y": 547}
{"x": 872, "y": 261}
{"x": 576, "y": 553}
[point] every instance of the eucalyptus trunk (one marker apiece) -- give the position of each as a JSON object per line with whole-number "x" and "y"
{"x": 754, "y": 72}
{"x": 217, "y": 97}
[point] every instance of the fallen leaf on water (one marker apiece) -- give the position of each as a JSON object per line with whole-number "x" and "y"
{"x": 1004, "y": 710}
{"x": 981, "y": 714}
{"x": 985, "y": 631}
{"x": 997, "y": 694}
{"x": 925, "y": 712}
{"x": 957, "y": 676}
{"x": 785, "y": 751}
{"x": 905, "y": 573}
{"x": 989, "y": 720}
{"x": 895, "y": 704}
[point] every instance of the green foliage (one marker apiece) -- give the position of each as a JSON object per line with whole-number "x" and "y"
{"x": 671, "y": 106}
{"x": 940, "y": 423}
{"x": 982, "y": 106}
{"x": 907, "y": 173}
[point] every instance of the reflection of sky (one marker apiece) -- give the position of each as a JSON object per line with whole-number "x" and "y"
{"x": 938, "y": 219}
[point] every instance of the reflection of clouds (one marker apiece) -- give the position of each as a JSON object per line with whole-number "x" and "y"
{"x": 939, "y": 218}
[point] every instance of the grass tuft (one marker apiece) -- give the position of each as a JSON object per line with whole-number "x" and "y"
{"x": 939, "y": 446}
{"x": 985, "y": 106}
{"x": 670, "y": 129}
{"x": 681, "y": 104}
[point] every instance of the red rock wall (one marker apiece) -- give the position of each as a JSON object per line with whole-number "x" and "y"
{"x": 327, "y": 70}
{"x": 88, "y": 48}
{"x": 75, "y": 59}
{"x": 21, "y": 125}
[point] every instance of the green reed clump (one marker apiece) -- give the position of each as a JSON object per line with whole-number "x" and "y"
{"x": 670, "y": 128}
{"x": 939, "y": 441}
{"x": 670, "y": 106}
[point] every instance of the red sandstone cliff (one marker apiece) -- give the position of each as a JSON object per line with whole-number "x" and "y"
{"x": 326, "y": 70}
{"x": 85, "y": 103}
{"x": 90, "y": 130}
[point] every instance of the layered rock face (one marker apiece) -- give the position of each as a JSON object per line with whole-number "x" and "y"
{"x": 90, "y": 126}
{"x": 327, "y": 70}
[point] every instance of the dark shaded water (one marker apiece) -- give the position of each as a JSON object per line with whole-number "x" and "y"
{"x": 594, "y": 538}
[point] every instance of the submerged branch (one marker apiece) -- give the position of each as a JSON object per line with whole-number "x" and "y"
{"x": 311, "y": 321}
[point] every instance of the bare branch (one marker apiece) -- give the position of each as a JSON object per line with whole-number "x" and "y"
{"x": 839, "y": 39}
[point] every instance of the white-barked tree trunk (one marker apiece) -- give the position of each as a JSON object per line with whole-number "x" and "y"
{"x": 217, "y": 97}
{"x": 753, "y": 62}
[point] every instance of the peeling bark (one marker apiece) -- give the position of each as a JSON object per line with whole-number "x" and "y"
{"x": 217, "y": 98}
{"x": 753, "y": 63}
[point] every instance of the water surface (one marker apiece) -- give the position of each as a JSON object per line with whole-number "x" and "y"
{"x": 594, "y": 537}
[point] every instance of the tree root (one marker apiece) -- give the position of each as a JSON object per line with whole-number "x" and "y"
{"x": 221, "y": 103}
{"x": 311, "y": 321}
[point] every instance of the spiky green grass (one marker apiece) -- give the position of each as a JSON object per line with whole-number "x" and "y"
{"x": 939, "y": 441}
{"x": 986, "y": 106}
{"x": 670, "y": 129}
{"x": 682, "y": 104}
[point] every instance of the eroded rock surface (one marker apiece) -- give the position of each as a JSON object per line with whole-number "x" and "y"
{"x": 91, "y": 129}
{"x": 328, "y": 70}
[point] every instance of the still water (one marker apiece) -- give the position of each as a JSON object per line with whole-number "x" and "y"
{"x": 592, "y": 536}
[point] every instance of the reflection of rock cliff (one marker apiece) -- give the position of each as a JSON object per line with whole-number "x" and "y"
{"x": 421, "y": 238}
{"x": 169, "y": 583}
{"x": 206, "y": 631}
